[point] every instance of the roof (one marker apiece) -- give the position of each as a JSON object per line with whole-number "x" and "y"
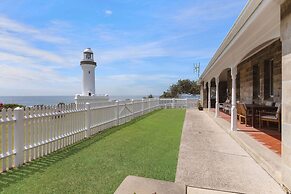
{"x": 244, "y": 16}
{"x": 88, "y": 50}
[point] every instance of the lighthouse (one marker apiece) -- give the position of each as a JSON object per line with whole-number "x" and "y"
{"x": 88, "y": 66}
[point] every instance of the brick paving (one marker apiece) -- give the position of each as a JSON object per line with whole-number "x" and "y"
{"x": 270, "y": 138}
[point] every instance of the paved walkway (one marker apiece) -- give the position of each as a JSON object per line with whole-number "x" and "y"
{"x": 210, "y": 159}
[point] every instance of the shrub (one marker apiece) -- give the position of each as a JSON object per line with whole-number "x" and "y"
{"x": 12, "y": 106}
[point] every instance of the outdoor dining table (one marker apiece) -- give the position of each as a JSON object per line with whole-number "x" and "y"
{"x": 258, "y": 107}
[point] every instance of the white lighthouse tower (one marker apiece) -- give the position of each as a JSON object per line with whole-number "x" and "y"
{"x": 88, "y": 66}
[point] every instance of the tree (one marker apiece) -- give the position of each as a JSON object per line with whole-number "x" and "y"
{"x": 185, "y": 86}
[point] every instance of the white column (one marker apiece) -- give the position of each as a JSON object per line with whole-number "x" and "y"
{"x": 201, "y": 94}
{"x": 233, "y": 99}
{"x": 209, "y": 95}
{"x": 217, "y": 97}
{"x": 204, "y": 97}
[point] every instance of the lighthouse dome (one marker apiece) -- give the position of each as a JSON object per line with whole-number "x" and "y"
{"x": 88, "y": 50}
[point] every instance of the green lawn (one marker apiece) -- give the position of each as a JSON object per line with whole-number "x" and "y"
{"x": 146, "y": 147}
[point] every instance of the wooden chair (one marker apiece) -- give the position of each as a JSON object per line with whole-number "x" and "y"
{"x": 244, "y": 114}
{"x": 238, "y": 109}
{"x": 274, "y": 117}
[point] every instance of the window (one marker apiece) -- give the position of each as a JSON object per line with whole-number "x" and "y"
{"x": 268, "y": 78}
{"x": 87, "y": 56}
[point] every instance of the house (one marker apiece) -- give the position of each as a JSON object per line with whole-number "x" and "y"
{"x": 252, "y": 67}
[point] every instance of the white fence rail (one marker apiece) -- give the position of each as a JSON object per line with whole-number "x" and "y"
{"x": 30, "y": 133}
{"x": 178, "y": 103}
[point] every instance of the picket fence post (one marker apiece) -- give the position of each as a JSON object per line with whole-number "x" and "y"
{"x": 150, "y": 105}
{"x": 142, "y": 106}
{"x": 87, "y": 120}
{"x": 117, "y": 112}
{"x": 19, "y": 136}
{"x": 173, "y": 102}
{"x": 132, "y": 109}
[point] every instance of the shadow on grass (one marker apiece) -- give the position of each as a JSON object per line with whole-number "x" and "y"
{"x": 40, "y": 165}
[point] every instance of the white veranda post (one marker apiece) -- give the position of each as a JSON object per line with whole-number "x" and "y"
{"x": 201, "y": 94}
{"x": 204, "y": 97}
{"x": 217, "y": 97}
{"x": 233, "y": 99}
{"x": 209, "y": 95}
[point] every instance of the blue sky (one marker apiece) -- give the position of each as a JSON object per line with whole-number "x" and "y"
{"x": 141, "y": 46}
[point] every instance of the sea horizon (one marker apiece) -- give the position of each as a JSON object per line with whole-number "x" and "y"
{"x": 54, "y": 100}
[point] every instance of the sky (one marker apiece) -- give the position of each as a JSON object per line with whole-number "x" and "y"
{"x": 141, "y": 46}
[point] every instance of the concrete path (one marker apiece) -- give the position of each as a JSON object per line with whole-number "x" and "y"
{"x": 141, "y": 185}
{"x": 210, "y": 160}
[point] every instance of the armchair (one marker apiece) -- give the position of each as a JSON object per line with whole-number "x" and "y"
{"x": 274, "y": 117}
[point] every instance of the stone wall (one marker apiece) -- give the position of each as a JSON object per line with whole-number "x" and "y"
{"x": 245, "y": 69}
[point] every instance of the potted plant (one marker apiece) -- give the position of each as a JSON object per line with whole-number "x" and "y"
{"x": 200, "y": 107}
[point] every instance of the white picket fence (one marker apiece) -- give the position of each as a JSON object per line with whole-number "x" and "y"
{"x": 178, "y": 103}
{"x": 30, "y": 133}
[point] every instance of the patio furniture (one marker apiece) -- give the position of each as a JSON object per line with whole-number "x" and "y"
{"x": 274, "y": 117}
{"x": 269, "y": 103}
{"x": 277, "y": 104}
{"x": 244, "y": 113}
{"x": 238, "y": 109}
{"x": 225, "y": 106}
{"x": 255, "y": 110}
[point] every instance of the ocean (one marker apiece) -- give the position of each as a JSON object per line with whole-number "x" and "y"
{"x": 50, "y": 100}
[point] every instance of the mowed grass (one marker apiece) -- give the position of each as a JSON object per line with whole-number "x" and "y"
{"x": 146, "y": 147}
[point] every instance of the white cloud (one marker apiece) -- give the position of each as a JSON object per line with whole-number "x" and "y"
{"x": 108, "y": 12}
{"x": 27, "y": 68}
{"x": 134, "y": 84}
{"x": 150, "y": 50}
{"x": 18, "y": 46}
{"x": 11, "y": 26}
{"x": 208, "y": 11}
{"x": 35, "y": 81}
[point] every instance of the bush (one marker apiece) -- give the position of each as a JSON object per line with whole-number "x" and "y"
{"x": 12, "y": 106}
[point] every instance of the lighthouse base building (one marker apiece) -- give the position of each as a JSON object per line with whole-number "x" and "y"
{"x": 88, "y": 83}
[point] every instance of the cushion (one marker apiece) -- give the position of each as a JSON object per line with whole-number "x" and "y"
{"x": 269, "y": 103}
{"x": 269, "y": 117}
